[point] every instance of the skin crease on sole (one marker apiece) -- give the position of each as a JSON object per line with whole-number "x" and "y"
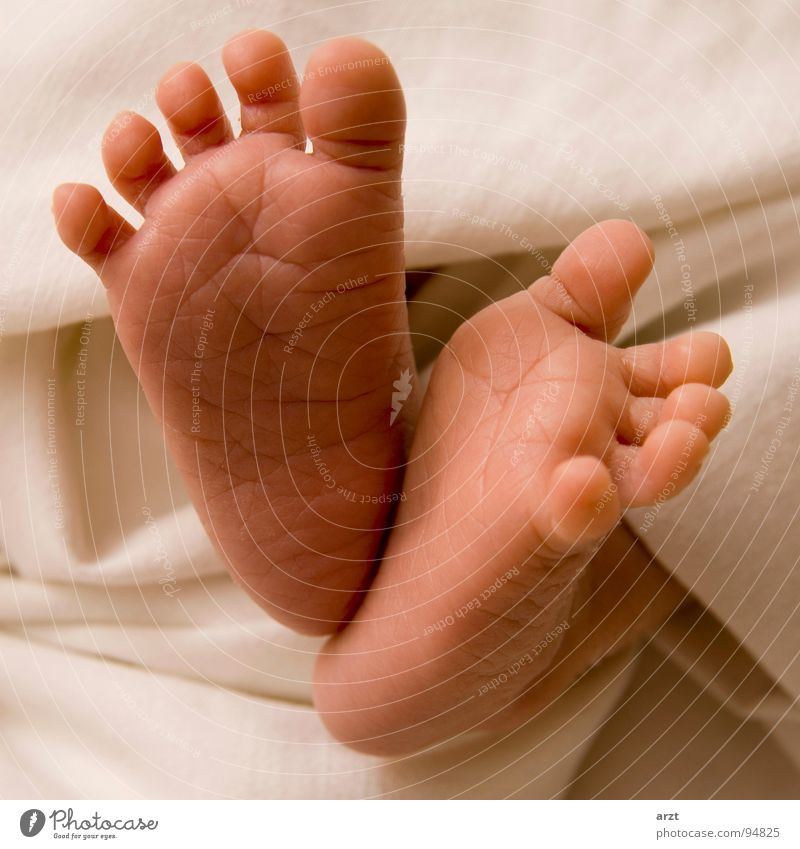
{"x": 534, "y": 435}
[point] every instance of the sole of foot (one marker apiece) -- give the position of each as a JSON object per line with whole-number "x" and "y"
{"x": 534, "y": 435}
{"x": 262, "y": 305}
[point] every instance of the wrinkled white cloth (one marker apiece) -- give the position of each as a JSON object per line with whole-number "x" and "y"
{"x": 131, "y": 665}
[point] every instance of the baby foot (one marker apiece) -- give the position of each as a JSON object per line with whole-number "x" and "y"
{"x": 262, "y": 306}
{"x": 534, "y": 435}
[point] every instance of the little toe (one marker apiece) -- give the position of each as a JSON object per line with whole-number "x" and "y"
{"x": 352, "y": 105}
{"x": 594, "y": 281}
{"x": 658, "y": 368}
{"x": 263, "y": 75}
{"x": 193, "y": 110}
{"x": 134, "y": 158}
{"x": 667, "y": 461}
{"x": 87, "y": 225}
{"x": 581, "y": 507}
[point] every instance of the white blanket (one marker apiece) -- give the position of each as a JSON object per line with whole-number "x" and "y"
{"x": 131, "y": 665}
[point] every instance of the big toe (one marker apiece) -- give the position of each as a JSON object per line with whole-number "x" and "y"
{"x": 352, "y": 104}
{"x": 593, "y": 282}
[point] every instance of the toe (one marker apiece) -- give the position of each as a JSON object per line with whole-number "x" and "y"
{"x": 263, "y": 75}
{"x": 87, "y": 225}
{"x": 582, "y": 505}
{"x": 134, "y": 158}
{"x": 657, "y": 369}
{"x": 666, "y": 462}
{"x": 698, "y": 404}
{"x": 352, "y": 105}
{"x": 593, "y": 282}
{"x": 193, "y": 109}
